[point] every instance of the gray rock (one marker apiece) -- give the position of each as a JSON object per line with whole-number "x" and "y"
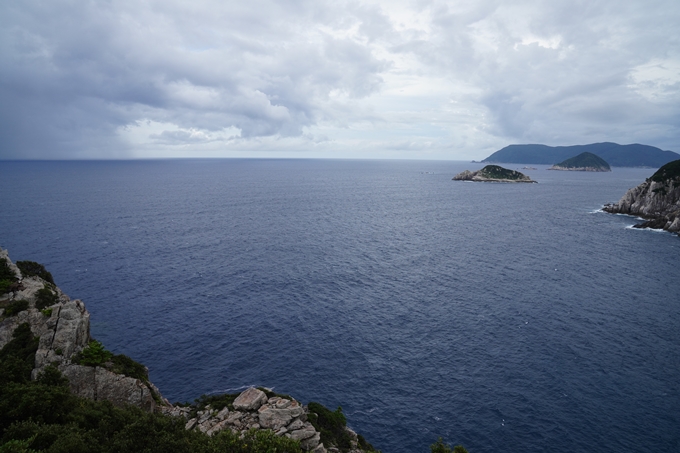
{"x": 271, "y": 418}
{"x": 250, "y": 399}
{"x": 295, "y": 424}
{"x": 304, "y": 433}
{"x": 311, "y": 443}
{"x": 98, "y": 383}
{"x": 190, "y": 424}
{"x": 658, "y": 202}
{"x": 319, "y": 449}
{"x": 223, "y": 413}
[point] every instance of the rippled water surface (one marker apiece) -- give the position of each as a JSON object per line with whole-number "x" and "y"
{"x": 502, "y": 317}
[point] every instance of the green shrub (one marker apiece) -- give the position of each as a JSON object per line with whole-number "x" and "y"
{"x": 18, "y": 356}
{"x": 94, "y": 354}
{"x": 331, "y": 425}
{"x": 46, "y": 312}
{"x": 5, "y": 272}
{"x": 363, "y": 444}
{"x": 4, "y": 285}
{"x": 7, "y": 276}
{"x": 15, "y": 307}
{"x": 123, "y": 364}
{"x": 441, "y": 447}
{"x": 45, "y": 297}
{"x": 33, "y": 269}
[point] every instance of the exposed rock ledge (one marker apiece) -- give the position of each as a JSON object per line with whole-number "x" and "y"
{"x": 657, "y": 200}
{"x": 64, "y": 330}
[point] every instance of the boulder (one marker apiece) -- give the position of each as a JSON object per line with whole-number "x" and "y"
{"x": 250, "y": 399}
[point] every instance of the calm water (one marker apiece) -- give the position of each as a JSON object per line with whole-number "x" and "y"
{"x": 503, "y": 317}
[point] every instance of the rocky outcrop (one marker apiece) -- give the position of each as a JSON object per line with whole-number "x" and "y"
{"x": 63, "y": 329}
{"x": 657, "y": 200}
{"x": 252, "y": 409}
{"x": 492, "y": 173}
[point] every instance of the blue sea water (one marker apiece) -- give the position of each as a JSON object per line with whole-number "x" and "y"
{"x": 500, "y": 317}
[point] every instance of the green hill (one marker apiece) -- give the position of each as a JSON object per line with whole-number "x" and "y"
{"x": 634, "y": 155}
{"x": 583, "y": 162}
{"x": 669, "y": 171}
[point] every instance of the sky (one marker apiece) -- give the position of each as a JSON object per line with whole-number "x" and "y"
{"x": 334, "y": 79}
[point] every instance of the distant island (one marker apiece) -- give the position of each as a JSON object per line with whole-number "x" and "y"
{"x": 634, "y": 155}
{"x": 583, "y": 162}
{"x": 492, "y": 173}
{"x": 657, "y": 200}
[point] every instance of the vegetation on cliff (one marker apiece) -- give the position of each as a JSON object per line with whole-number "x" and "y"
{"x": 33, "y": 269}
{"x": 585, "y": 161}
{"x": 43, "y": 415}
{"x": 7, "y": 276}
{"x": 668, "y": 172}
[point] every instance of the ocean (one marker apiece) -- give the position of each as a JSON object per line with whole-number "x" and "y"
{"x": 503, "y": 317}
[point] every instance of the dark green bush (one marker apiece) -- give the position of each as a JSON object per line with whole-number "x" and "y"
{"x": 441, "y": 447}
{"x": 33, "y": 269}
{"x": 5, "y": 272}
{"x": 94, "y": 354}
{"x": 15, "y": 307}
{"x": 123, "y": 364}
{"x": 45, "y": 297}
{"x": 18, "y": 356}
{"x": 4, "y": 286}
{"x": 7, "y": 276}
{"x": 331, "y": 425}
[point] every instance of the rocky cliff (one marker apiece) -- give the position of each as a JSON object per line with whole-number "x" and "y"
{"x": 63, "y": 328}
{"x": 657, "y": 200}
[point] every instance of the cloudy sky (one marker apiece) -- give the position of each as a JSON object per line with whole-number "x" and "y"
{"x": 295, "y": 78}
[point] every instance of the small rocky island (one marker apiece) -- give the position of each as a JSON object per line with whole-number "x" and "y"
{"x": 657, "y": 200}
{"x": 583, "y": 162}
{"x": 492, "y": 173}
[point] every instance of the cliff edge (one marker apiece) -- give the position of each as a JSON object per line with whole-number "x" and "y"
{"x": 29, "y": 299}
{"x": 657, "y": 200}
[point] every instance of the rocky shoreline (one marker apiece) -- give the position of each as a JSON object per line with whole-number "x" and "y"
{"x": 63, "y": 329}
{"x": 657, "y": 200}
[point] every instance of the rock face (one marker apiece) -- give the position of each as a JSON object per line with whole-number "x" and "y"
{"x": 657, "y": 200}
{"x": 253, "y": 410}
{"x": 583, "y": 162}
{"x": 64, "y": 330}
{"x": 492, "y": 173}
